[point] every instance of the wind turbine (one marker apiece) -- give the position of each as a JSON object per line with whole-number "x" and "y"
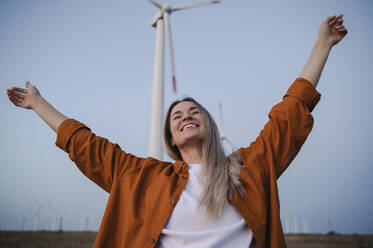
{"x": 305, "y": 226}
{"x": 295, "y": 225}
{"x": 60, "y": 224}
{"x": 36, "y": 218}
{"x": 161, "y": 21}
{"x": 222, "y": 134}
{"x": 37, "y": 215}
{"x": 23, "y": 223}
{"x": 55, "y": 216}
{"x": 287, "y": 228}
{"x": 84, "y": 221}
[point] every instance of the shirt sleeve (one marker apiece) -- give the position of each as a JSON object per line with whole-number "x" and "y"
{"x": 99, "y": 159}
{"x": 290, "y": 123}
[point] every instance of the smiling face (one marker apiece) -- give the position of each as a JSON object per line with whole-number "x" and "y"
{"x": 187, "y": 125}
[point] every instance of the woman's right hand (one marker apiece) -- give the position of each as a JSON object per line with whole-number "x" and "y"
{"x": 24, "y": 98}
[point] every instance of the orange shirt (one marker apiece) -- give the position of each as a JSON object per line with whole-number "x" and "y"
{"x": 144, "y": 191}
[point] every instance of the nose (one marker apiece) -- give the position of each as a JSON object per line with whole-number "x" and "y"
{"x": 187, "y": 117}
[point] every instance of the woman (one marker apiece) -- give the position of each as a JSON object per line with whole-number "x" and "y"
{"x": 204, "y": 199}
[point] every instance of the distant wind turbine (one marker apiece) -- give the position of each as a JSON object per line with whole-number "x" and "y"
{"x": 159, "y": 20}
{"x": 37, "y": 215}
{"x": 84, "y": 221}
{"x": 305, "y": 226}
{"x": 223, "y": 137}
{"x": 23, "y": 223}
{"x": 55, "y": 216}
{"x": 60, "y": 226}
{"x": 36, "y": 218}
{"x": 55, "y": 219}
{"x": 295, "y": 225}
{"x": 287, "y": 229}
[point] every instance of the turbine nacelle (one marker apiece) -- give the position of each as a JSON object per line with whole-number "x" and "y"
{"x": 166, "y": 8}
{"x": 160, "y": 14}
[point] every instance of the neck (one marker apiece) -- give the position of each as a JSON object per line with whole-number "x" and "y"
{"x": 191, "y": 154}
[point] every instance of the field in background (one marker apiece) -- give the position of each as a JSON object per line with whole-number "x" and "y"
{"x": 85, "y": 239}
{"x": 329, "y": 241}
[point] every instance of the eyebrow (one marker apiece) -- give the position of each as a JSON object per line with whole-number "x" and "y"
{"x": 190, "y": 109}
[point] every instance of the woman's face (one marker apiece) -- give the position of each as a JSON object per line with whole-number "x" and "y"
{"x": 187, "y": 125}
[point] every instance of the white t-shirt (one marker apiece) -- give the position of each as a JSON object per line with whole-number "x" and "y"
{"x": 188, "y": 227}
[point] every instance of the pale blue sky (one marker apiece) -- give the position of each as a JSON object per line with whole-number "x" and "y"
{"x": 93, "y": 60}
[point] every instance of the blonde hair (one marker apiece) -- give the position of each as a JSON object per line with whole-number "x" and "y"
{"x": 222, "y": 172}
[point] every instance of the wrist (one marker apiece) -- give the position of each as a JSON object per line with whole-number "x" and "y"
{"x": 323, "y": 43}
{"x": 38, "y": 100}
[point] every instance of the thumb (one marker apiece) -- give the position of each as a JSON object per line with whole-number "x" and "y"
{"x": 28, "y": 85}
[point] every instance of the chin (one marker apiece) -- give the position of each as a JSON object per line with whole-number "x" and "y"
{"x": 191, "y": 139}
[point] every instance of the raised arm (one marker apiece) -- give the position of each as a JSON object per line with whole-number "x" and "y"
{"x": 331, "y": 32}
{"x": 98, "y": 158}
{"x": 30, "y": 98}
{"x": 290, "y": 121}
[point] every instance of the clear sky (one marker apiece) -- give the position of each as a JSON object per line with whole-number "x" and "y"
{"x": 93, "y": 60}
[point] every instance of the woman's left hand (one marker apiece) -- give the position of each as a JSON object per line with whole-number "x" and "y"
{"x": 332, "y": 30}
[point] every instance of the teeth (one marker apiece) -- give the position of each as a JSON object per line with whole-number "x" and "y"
{"x": 189, "y": 125}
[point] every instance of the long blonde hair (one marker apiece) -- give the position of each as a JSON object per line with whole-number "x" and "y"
{"x": 221, "y": 172}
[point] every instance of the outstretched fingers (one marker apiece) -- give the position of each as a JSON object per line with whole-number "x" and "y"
{"x": 332, "y": 20}
{"x": 20, "y": 90}
{"x": 16, "y": 95}
{"x": 339, "y": 21}
{"x": 19, "y": 96}
{"x": 341, "y": 29}
{"x": 15, "y": 100}
{"x": 15, "y": 92}
{"x": 22, "y": 97}
{"x": 336, "y": 22}
{"x": 339, "y": 25}
{"x": 332, "y": 29}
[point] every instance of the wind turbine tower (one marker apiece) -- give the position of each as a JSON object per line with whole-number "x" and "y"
{"x": 60, "y": 224}
{"x": 161, "y": 22}
{"x": 287, "y": 228}
{"x": 295, "y": 225}
{"x": 23, "y": 223}
{"x": 36, "y": 217}
{"x": 305, "y": 226}
{"x": 55, "y": 220}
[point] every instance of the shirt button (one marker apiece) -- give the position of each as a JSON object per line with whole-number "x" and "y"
{"x": 151, "y": 240}
{"x": 184, "y": 177}
{"x": 172, "y": 202}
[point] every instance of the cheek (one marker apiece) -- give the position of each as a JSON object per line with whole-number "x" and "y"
{"x": 204, "y": 131}
{"x": 173, "y": 131}
{"x": 203, "y": 126}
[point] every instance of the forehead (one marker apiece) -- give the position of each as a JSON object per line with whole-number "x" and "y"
{"x": 183, "y": 106}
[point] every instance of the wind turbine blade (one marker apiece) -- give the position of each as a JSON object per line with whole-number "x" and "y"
{"x": 221, "y": 120}
{"x": 192, "y": 5}
{"x": 157, "y": 16}
{"x": 222, "y": 135}
{"x": 156, "y": 3}
{"x": 171, "y": 49}
{"x": 234, "y": 147}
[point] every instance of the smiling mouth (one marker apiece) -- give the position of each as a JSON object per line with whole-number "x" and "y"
{"x": 188, "y": 126}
